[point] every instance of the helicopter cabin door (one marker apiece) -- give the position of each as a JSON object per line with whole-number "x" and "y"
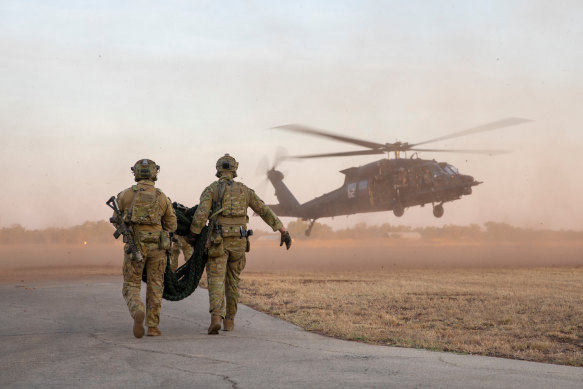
{"x": 382, "y": 192}
{"x": 359, "y": 193}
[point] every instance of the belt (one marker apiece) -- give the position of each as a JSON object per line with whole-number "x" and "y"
{"x": 232, "y": 221}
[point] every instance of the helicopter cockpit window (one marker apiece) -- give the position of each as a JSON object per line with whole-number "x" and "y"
{"x": 453, "y": 169}
{"x": 363, "y": 185}
{"x": 436, "y": 170}
{"x": 449, "y": 171}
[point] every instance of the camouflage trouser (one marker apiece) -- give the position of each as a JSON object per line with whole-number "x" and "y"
{"x": 180, "y": 244}
{"x": 223, "y": 278}
{"x": 155, "y": 262}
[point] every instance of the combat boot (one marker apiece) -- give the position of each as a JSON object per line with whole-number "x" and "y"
{"x": 215, "y": 324}
{"x": 139, "y": 324}
{"x": 154, "y": 331}
{"x": 228, "y": 324}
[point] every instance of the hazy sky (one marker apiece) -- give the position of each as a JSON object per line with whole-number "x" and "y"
{"x": 89, "y": 87}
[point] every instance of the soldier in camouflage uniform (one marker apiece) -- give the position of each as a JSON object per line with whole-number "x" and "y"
{"x": 227, "y": 242}
{"x": 150, "y": 213}
{"x": 179, "y": 244}
{"x": 427, "y": 180}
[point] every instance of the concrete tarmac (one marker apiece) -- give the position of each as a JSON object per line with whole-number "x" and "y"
{"x": 71, "y": 334}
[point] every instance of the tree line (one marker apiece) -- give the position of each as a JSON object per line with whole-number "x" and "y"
{"x": 493, "y": 231}
{"x": 86, "y": 233}
{"x": 92, "y": 232}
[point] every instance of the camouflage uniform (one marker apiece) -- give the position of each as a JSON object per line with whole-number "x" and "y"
{"x": 152, "y": 218}
{"x": 227, "y": 251}
{"x": 179, "y": 244}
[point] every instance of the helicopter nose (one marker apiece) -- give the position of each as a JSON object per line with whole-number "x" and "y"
{"x": 471, "y": 180}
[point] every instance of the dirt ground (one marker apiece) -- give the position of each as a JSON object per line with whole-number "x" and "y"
{"x": 519, "y": 300}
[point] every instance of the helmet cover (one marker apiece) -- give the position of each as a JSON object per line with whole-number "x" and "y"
{"x": 227, "y": 164}
{"x": 145, "y": 169}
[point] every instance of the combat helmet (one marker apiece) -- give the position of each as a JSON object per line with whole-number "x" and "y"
{"x": 145, "y": 169}
{"x": 227, "y": 164}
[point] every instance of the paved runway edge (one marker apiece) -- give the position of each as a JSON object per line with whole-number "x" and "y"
{"x": 78, "y": 333}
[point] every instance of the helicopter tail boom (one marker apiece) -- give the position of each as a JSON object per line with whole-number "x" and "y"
{"x": 288, "y": 204}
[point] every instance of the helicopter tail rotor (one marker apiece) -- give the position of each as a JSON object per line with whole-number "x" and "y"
{"x": 269, "y": 170}
{"x": 263, "y": 167}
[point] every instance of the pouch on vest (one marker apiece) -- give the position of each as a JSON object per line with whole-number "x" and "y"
{"x": 231, "y": 231}
{"x": 216, "y": 248}
{"x": 164, "y": 240}
{"x": 235, "y": 201}
{"x": 146, "y": 209}
{"x": 149, "y": 237}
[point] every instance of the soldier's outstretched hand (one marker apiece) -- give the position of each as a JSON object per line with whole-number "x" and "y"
{"x": 285, "y": 238}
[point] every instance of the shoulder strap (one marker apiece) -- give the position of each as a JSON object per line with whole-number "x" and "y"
{"x": 217, "y": 206}
{"x": 216, "y": 193}
{"x": 131, "y": 210}
{"x": 244, "y": 189}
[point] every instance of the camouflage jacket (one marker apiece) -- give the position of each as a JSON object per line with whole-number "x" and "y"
{"x": 158, "y": 212}
{"x": 237, "y": 197}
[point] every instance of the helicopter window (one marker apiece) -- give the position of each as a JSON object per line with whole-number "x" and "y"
{"x": 363, "y": 185}
{"x": 351, "y": 190}
{"x": 436, "y": 170}
{"x": 453, "y": 169}
{"x": 449, "y": 171}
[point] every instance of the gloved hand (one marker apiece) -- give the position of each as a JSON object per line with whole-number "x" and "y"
{"x": 285, "y": 238}
{"x": 191, "y": 238}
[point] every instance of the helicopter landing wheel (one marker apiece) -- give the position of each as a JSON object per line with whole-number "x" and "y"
{"x": 398, "y": 210}
{"x": 438, "y": 210}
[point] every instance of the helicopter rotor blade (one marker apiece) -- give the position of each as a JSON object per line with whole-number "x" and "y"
{"x": 317, "y": 132}
{"x": 487, "y": 152}
{"x": 261, "y": 188}
{"x": 280, "y": 155}
{"x": 344, "y": 154}
{"x": 486, "y": 127}
{"x": 262, "y": 166}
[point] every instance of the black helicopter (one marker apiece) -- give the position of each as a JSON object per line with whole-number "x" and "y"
{"x": 388, "y": 184}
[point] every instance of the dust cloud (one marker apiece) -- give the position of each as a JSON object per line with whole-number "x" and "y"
{"x": 36, "y": 262}
{"x": 378, "y": 255}
{"x": 39, "y": 261}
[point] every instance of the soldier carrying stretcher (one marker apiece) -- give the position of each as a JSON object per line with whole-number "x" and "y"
{"x": 225, "y": 203}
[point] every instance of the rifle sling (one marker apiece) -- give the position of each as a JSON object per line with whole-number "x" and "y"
{"x": 132, "y": 230}
{"x": 218, "y": 206}
{"x": 218, "y": 202}
{"x": 216, "y": 213}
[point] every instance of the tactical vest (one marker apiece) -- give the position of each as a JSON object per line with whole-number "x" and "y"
{"x": 145, "y": 208}
{"x": 234, "y": 200}
{"x": 234, "y": 214}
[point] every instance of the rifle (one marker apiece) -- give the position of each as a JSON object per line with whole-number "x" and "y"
{"x": 125, "y": 229}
